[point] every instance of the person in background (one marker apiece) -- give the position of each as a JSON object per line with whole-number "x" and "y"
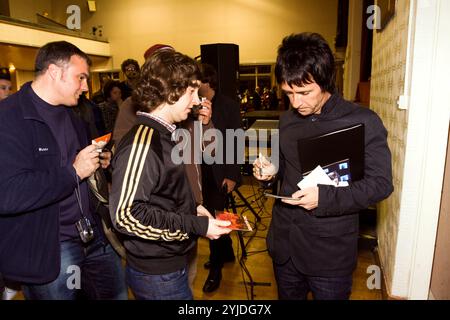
{"x": 256, "y": 99}
{"x": 127, "y": 112}
{"x": 110, "y": 107}
{"x": 126, "y": 120}
{"x": 219, "y": 180}
{"x": 98, "y": 96}
{"x": 5, "y": 83}
{"x": 273, "y": 99}
{"x": 51, "y": 240}
{"x": 91, "y": 114}
{"x": 154, "y": 206}
{"x": 265, "y": 99}
{"x": 10, "y": 291}
{"x": 313, "y": 239}
{"x": 131, "y": 70}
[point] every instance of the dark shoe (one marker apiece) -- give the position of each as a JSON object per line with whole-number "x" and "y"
{"x": 213, "y": 280}
{"x": 207, "y": 264}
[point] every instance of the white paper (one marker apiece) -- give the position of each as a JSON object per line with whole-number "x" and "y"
{"x": 99, "y": 145}
{"x": 315, "y": 177}
{"x": 318, "y": 176}
{"x": 269, "y": 170}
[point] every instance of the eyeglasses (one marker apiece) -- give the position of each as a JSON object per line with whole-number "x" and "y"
{"x": 130, "y": 68}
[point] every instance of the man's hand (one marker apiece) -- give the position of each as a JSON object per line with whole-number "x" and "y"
{"x": 229, "y": 183}
{"x": 263, "y": 169}
{"x": 203, "y": 212}
{"x": 307, "y": 198}
{"x": 217, "y": 228}
{"x": 87, "y": 161}
{"x": 105, "y": 159}
{"x": 205, "y": 113}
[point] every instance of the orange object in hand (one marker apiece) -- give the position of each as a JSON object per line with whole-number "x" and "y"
{"x": 104, "y": 138}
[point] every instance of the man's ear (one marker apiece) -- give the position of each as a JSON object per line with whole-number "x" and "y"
{"x": 54, "y": 71}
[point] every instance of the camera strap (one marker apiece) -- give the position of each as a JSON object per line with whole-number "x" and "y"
{"x": 83, "y": 225}
{"x": 78, "y": 195}
{"x": 202, "y": 142}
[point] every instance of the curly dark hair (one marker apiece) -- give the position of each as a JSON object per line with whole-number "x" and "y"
{"x": 304, "y": 58}
{"x": 109, "y": 86}
{"x": 164, "y": 78}
{"x": 128, "y": 62}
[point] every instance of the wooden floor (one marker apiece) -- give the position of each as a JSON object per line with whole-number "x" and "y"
{"x": 259, "y": 263}
{"x": 234, "y": 284}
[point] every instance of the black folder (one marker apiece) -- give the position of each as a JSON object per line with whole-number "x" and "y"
{"x": 340, "y": 150}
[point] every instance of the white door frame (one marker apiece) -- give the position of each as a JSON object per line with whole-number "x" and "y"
{"x": 426, "y": 143}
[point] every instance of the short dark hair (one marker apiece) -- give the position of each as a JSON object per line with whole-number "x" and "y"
{"x": 164, "y": 77}
{"x": 209, "y": 75}
{"x": 304, "y": 58}
{"x": 109, "y": 85}
{"x": 4, "y": 74}
{"x": 58, "y": 53}
{"x": 128, "y": 62}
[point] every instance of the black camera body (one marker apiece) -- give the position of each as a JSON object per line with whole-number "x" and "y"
{"x": 85, "y": 229}
{"x": 196, "y": 110}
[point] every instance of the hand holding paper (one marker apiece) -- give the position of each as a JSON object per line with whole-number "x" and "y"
{"x": 263, "y": 169}
{"x": 307, "y": 198}
{"x": 101, "y": 142}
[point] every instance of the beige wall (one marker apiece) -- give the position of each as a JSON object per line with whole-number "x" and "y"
{"x": 352, "y": 62}
{"x": 27, "y": 9}
{"x": 257, "y": 26}
{"x": 388, "y": 75}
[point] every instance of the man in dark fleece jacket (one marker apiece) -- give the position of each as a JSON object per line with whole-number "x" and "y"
{"x": 313, "y": 240}
{"x": 45, "y": 162}
{"x": 151, "y": 201}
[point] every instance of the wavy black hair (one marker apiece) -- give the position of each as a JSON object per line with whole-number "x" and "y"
{"x": 305, "y": 58}
{"x": 164, "y": 78}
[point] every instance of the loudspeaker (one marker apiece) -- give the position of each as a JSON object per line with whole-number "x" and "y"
{"x": 224, "y": 57}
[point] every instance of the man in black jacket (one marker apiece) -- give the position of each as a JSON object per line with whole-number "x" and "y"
{"x": 221, "y": 177}
{"x": 52, "y": 241}
{"x": 151, "y": 200}
{"x": 313, "y": 240}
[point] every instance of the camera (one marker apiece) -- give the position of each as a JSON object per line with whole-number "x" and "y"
{"x": 195, "y": 111}
{"x": 85, "y": 229}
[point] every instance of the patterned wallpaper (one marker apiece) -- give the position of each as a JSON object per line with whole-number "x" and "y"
{"x": 387, "y": 83}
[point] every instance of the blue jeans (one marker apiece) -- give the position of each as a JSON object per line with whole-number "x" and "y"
{"x": 93, "y": 270}
{"x": 169, "y": 286}
{"x": 294, "y": 285}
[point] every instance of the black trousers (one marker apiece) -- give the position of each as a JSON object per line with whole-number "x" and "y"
{"x": 294, "y": 285}
{"x": 214, "y": 200}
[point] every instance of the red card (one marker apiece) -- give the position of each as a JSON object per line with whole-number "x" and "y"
{"x": 104, "y": 138}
